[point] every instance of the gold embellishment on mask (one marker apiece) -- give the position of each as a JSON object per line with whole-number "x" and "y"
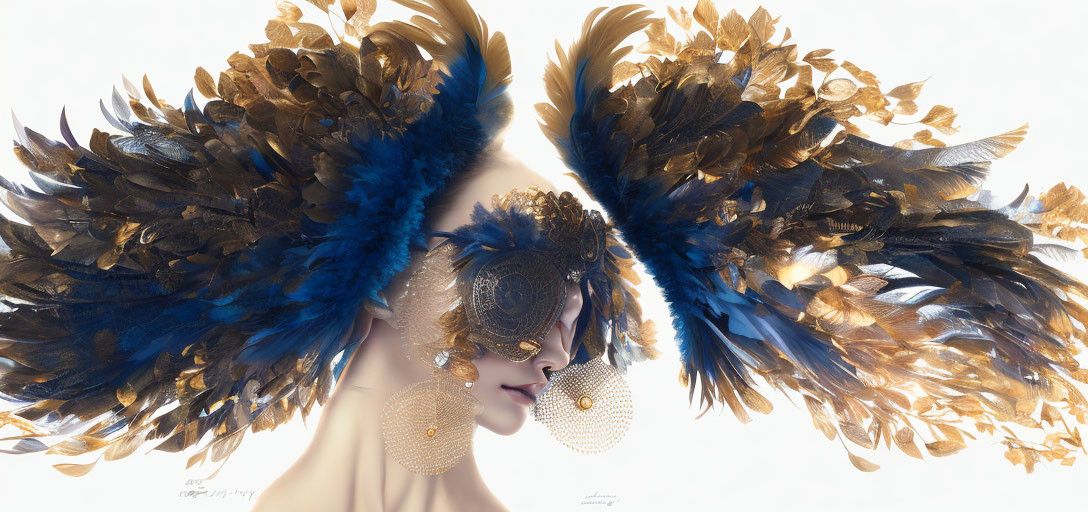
{"x": 579, "y": 234}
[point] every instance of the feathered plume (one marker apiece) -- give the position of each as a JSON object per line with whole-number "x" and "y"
{"x": 790, "y": 247}
{"x": 213, "y": 261}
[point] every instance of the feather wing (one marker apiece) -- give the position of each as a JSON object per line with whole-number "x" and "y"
{"x": 792, "y": 248}
{"x": 213, "y": 261}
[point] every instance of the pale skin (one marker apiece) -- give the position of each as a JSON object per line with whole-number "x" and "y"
{"x": 345, "y": 467}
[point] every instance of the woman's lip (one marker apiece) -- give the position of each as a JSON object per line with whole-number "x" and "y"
{"x": 519, "y": 395}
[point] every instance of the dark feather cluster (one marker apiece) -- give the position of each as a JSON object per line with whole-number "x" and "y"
{"x": 860, "y": 276}
{"x": 213, "y": 261}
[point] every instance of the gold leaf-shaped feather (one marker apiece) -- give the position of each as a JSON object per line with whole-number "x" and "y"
{"x": 820, "y": 417}
{"x": 732, "y": 32}
{"x": 1050, "y": 414}
{"x": 227, "y": 89}
{"x": 926, "y": 137}
{"x": 349, "y": 7}
{"x": 681, "y": 18}
{"x": 755, "y": 401}
{"x": 279, "y": 34}
{"x": 862, "y": 464}
{"x": 941, "y": 118}
{"x": 75, "y": 469}
{"x": 762, "y": 25}
{"x": 125, "y": 446}
{"x": 205, "y": 83}
{"x": 706, "y": 14}
{"x": 862, "y": 76}
{"x": 311, "y": 35}
{"x": 818, "y": 60}
{"x": 952, "y": 433}
{"x": 905, "y": 108}
{"x": 660, "y": 42}
{"x": 855, "y": 433}
{"x": 150, "y": 93}
{"x": 197, "y": 458}
{"x": 904, "y": 439}
{"x": 906, "y": 92}
{"x": 77, "y": 446}
{"x": 944, "y": 448}
{"x": 364, "y": 10}
{"x": 288, "y": 11}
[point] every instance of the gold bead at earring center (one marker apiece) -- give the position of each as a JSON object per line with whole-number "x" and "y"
{"x": 585, "y": 402}
{"x": 431, "y": 432}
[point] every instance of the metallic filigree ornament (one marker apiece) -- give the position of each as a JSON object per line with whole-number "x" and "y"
{"x": 428, "y": 426}
{"x": 513, "y": 301}
{"x": 430, "y": 293}
{"x": 580, "y": 235}
{"x": 587, "y": 407}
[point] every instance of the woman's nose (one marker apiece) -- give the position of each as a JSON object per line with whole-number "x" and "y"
{"x": 554, "y": 355}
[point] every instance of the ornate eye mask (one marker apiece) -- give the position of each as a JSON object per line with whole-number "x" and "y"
{"x": 501, "y": 282}
{"x": 512, "y": 301}
{"x": 515, "y": 263}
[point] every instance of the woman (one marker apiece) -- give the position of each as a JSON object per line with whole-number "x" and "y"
{"x": 341, "y": 465}
{"x": 226, "y": 264}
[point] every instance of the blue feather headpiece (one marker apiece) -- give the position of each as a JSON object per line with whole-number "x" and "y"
{"x": 214, "y": 260}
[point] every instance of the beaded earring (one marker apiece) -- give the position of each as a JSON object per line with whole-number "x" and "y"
{"x": 587, "y": 407}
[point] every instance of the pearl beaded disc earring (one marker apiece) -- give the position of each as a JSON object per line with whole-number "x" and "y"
{"x": 587, "y": 407}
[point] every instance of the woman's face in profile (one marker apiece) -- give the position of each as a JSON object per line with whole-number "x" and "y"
{"x": 506, "y": 408}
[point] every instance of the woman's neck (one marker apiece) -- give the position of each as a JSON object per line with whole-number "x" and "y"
{"x": 346, "y": 466}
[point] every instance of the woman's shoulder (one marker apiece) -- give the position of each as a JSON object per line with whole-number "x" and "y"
{"x": 303, "y": 488}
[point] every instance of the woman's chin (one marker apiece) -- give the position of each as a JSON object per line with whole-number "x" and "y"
{"x": 504, "y": 421}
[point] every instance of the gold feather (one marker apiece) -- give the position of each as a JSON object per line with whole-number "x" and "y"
{"x": 596, "y": 50}
{"x": 443, "y": 36}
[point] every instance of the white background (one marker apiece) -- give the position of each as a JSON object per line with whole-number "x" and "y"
{"x": 1000, "y": 64}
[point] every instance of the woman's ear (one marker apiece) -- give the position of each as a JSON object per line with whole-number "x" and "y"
{"x": 361, "y": 328}
{"x": 583, "y": 319}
